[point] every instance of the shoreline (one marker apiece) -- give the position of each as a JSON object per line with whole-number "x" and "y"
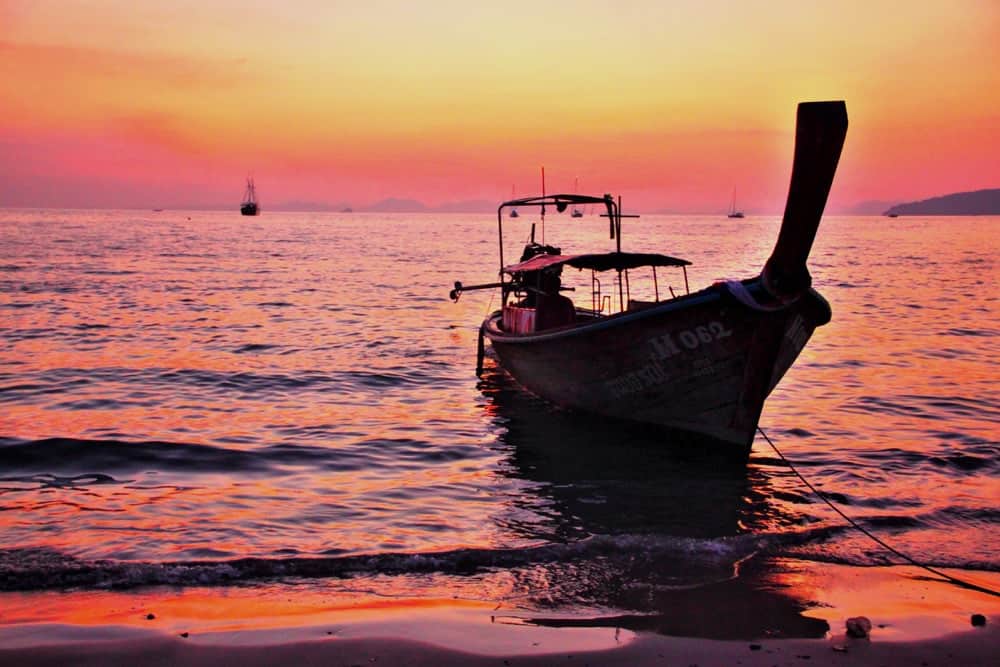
{"x": 916, "y": 620}
{"x": 977, "y": 646}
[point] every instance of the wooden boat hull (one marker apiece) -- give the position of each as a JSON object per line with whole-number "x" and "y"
{"x": 703, "y": 363}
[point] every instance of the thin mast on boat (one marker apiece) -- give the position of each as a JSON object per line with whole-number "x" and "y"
{"x": 543, "y": 205}
{"x": 576, "y": 212}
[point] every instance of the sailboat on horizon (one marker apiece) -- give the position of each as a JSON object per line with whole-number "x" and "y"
{"x": 513, "y": 211}
{"x": 733, "y": 213}
{"x": 249, "y": 205}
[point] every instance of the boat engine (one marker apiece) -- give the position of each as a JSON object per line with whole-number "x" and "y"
{"x": 532, "y": 249}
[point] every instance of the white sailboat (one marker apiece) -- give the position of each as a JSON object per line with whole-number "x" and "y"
{"x": 733, "y": 213}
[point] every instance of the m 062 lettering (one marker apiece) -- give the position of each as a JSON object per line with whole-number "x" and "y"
{"x": 671, "y": 344}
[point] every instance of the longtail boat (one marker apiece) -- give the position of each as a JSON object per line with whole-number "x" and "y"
{"x": 698, "y": 362}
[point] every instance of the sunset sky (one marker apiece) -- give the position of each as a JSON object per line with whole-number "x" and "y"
{"x": 172, "y": 103}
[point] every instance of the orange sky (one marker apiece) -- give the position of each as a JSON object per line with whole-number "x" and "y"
{"x": 671, "y": 104}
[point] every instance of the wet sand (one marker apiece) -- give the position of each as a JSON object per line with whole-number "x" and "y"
{"x": 916, "y": 621}
{"x": 978, "y": 646}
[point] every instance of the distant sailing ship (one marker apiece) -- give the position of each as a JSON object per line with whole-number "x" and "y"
{"x": 733, "y": 213}
{"x": 513, "y": 211}
{"x": 249, "y": 205}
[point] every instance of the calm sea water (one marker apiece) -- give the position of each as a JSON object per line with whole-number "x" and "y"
{"x": 197, "y": 398}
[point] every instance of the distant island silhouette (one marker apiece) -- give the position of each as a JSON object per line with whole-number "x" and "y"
{"x": 389, "y": 205}
{"x": 396, "y": 205}
{"x": 977, "y": 202}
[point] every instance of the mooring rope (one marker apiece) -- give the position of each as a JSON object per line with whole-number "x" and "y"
{"x": 489, "y": 306}
{"x": 874, "y": 538}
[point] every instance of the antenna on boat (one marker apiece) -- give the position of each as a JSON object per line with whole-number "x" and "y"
{"x": 543, "y": 206}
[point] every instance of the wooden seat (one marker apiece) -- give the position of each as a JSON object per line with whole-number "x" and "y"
{"x": 553, "y": 310}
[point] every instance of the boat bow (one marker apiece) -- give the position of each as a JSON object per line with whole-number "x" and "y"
{"x": 820, "y": 130}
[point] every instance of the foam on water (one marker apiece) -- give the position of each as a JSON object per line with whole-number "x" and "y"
{"x": 683, "y": 563}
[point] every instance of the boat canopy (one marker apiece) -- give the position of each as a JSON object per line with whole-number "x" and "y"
{"x": 560, "y": 201}
{"x": 619, "y": 261}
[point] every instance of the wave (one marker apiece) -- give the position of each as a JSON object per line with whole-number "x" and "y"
{"x": 111, "y": 457}
{"x": 867, "y": 558}
{"x": 956, "y": 453}
{"x": 110, "y": 272}
{"x": 255, "y": 347}
{"x": 666, "y": 562}
{"x": 29, "y": 387}
{"x": 114, "y": 456}
{"x": 692, "y": 562}
{"x": 933, "y": 408}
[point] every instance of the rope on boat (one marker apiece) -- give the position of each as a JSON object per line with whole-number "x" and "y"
{"x": 480, "y": 343}
{"x": 739, "y": 291}
{"x": 881, "y": 543}
{"x": 480, "y": 350}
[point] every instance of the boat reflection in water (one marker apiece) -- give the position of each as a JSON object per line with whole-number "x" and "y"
{"x": 655, "y": 539}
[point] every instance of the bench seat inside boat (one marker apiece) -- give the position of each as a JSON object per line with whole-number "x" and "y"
{"x": 550, "y": 311}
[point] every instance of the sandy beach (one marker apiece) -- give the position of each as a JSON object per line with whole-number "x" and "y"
{"x": 106, "y": 646}
{"x": 916, "y": 621}
{"x": 972, "y": 648}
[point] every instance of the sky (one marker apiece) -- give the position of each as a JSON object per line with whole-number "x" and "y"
{"x": 674, "y": 105}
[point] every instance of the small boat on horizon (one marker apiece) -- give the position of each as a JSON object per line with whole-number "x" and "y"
{"x": 249, "y": 205}
{"x": 733, "y": 212}
{"x": 513, "y": 211}
{"x": 700, "y": 363}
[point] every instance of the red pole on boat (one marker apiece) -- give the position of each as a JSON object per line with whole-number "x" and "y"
{"x": 543, "y": 205}
{"x": 618, "y": 247}
{"x": 820, "y": 130}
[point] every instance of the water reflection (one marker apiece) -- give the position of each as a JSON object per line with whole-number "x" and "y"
{"x": 666, "y": 528}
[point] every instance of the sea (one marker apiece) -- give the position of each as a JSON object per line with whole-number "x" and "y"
{"x": 199, "y": 399}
